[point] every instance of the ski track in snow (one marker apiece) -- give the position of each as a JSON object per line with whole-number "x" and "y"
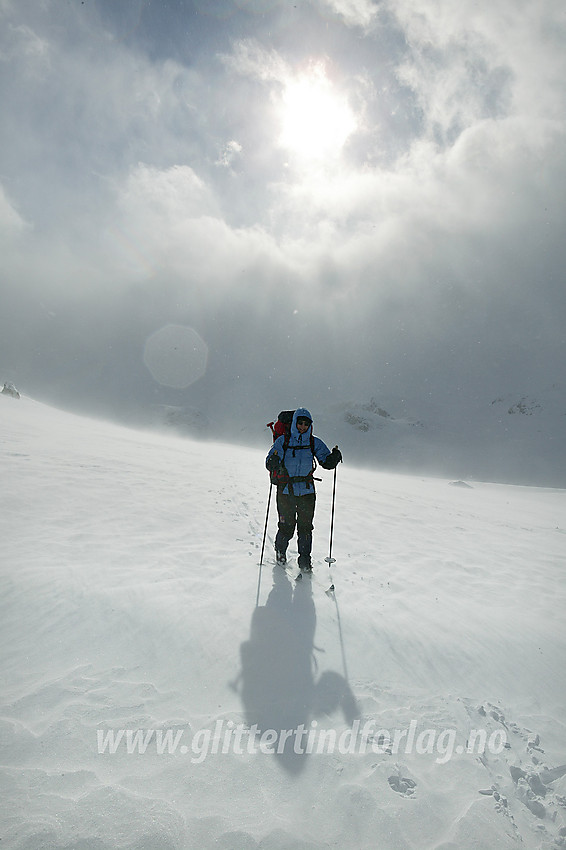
{"x": 132, "y": 599}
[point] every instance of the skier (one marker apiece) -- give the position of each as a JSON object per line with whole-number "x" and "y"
{"x": 291, "y": 460}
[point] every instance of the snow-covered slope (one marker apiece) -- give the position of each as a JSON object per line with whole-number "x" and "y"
{"x": 147, "y": 660}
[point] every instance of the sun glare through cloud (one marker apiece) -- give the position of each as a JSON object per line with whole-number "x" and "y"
{"x": 316, "y": 120}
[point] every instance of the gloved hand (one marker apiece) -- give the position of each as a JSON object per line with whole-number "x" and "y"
{"x": 333, "y": 459}
{"x": 336, "y": 455}
{"x": 273, "y": 463}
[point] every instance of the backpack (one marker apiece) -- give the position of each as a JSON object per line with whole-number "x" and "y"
{"x": 282, "y": 427}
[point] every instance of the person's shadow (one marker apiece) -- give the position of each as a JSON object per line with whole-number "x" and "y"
{"x": 277, "y": 681}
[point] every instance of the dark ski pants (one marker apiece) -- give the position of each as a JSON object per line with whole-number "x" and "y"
{"x": 295, "y": 512}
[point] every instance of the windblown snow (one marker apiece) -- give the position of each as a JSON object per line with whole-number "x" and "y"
{"x": 162, "y": 691}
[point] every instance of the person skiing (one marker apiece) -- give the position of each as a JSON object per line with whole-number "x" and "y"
{"x": 291, "y": 461}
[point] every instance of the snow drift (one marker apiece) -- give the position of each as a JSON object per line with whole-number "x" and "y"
{"x": 162, "y": 691}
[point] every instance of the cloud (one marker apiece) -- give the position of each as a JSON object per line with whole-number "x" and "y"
{"x": 471, "y": 62}
{"x": 145, "y": 187}
{"x": 172, "y": 219}
{"x": 250, "y": 58}
{"x": 230, "y": 153}
{"x": 359, "y": 13}
{"x": 168, "y": 195}
{"x": 22, "y": 41}
{"x": 11, "y": 222}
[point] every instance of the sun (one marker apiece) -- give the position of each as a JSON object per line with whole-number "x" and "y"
{"x": 316, "y": 120}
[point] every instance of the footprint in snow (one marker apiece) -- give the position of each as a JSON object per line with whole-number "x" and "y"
{"x": 403, "y": 786}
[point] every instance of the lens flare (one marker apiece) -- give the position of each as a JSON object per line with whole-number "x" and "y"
{"x": 176, "y": 356}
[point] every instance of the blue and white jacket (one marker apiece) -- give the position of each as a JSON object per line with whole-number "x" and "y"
{"x": 298, "y": 457}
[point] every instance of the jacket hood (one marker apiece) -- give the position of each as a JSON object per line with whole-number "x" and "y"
{"x": 297, "y": 438}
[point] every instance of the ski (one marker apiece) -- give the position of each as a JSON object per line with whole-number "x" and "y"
{"x": 303, "y": 573}
{"x": 329, "y": 590}
{"x": 297, "y": 577}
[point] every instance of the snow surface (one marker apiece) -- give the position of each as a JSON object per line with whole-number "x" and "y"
{"x": 133, "y": 600}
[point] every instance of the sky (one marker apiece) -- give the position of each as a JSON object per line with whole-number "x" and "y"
{"x": 242, "y": 206}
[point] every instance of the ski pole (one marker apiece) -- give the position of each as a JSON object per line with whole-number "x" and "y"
{"x": 330, "y": 560}
{"x": 266, "y": 521}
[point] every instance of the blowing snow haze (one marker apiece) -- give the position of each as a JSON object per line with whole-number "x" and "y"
{"x": 211, "y": 211}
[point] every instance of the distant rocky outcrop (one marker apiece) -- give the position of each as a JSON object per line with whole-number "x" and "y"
{"x": 9, "y": 389}
{"x": 526, "y": 406}
{"x": 371, "y": 415}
